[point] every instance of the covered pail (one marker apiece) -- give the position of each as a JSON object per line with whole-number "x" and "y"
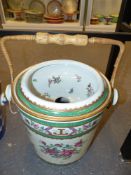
{"x": 61, "y": 102}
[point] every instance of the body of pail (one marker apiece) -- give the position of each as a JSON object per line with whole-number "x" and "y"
{"x": 61, "y": 142}
{"x": 61, "y": 103}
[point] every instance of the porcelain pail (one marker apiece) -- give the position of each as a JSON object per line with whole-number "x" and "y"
{"x": 61, "y": 103}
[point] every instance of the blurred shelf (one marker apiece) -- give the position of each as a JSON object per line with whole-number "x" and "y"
{"x": 21, "y": 25}
{"x": 9, "y": 24}
{"x": 86, "y": 8}
{"x": 101, "y": 28}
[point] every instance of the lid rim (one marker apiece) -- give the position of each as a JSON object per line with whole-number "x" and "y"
{"x": 62, "y": 119}
{"x": 59, "y": 106}
{"x": 66, "y": 112}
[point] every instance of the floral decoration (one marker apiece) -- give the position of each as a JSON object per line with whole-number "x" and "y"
{"x": 71, "y": 91}
{"x": 66, "y": 131}
{"x": 61, "y": 150}
{"x": 54, "y": 80}
{"x": 78, "y": 78}
{"x": 90, "y": 90}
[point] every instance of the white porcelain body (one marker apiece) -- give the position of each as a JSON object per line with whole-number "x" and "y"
{"x": 63, "y": 144}
{"x": 61, "y": 152}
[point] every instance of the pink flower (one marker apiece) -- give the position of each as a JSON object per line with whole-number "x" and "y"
{"x": 67, "y": 152}
{"x": 51, "y": 151}
{"x": 36, "y": 126}
{"x": 78, "y": 144}
{"x": 85, "y": 127}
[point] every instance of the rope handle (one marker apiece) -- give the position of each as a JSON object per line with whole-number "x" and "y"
{"x": 62, "y": 39}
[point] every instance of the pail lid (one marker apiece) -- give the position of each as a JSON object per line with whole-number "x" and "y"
{"x": 61, "y": 88}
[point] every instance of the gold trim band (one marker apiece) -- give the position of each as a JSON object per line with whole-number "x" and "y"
{"x": 60, "y": 119}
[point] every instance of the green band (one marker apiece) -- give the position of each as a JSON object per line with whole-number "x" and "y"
{"x": 60, "y": 137}
{"x": 60, "y": 124}
{"x": 79, "y": 112}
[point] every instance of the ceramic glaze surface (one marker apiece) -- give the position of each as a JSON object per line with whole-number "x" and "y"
{"x": 64, "y": 81}
{"x": 61, "y": 151}
{"x": 76, "y": 82}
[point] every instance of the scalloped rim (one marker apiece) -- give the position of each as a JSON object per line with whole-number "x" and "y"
{"x": 59, "y": 106}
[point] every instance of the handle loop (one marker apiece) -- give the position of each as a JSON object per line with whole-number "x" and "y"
{"x": 62, "y": 39}
{"x": 120, "y": 54}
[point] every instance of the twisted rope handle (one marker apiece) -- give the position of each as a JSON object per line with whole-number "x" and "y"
{"x": 62, "y": 39}
{"x": 6, "y": 54}
{"x": 120, "y": 54}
